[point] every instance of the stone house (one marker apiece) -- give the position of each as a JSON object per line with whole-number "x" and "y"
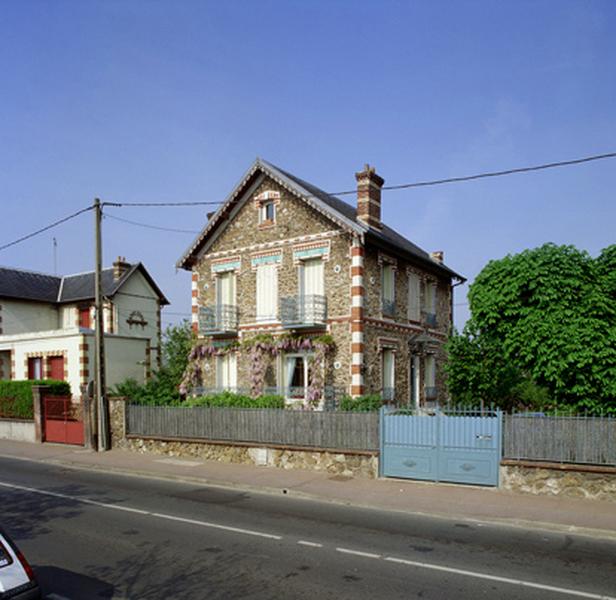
{"x": 282, "y": 260}
{"x": 47, "y": 324}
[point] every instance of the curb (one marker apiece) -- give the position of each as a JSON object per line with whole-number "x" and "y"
{"x": 608, "y": 534}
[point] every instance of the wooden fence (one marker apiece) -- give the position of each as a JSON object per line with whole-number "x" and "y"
{"x": 581, "y": 440}
{"x": 325, "y": 430}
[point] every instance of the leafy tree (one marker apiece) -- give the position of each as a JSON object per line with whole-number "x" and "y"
{"x": 545, "y": 318}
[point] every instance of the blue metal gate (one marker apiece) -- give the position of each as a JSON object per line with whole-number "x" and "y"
{"x": 459, "y": 447}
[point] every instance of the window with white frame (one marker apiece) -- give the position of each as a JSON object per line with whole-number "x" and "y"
{"x": 267, "y": 292}
{"x": 388, "y": 289}
{"x": 430, "y": 376}
{"x": 414, "y": 309}
{"x": 267, "y": 212}
{"x": 226, "y": 371}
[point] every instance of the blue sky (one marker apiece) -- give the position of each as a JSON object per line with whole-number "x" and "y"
{"x": 171, "y": 101}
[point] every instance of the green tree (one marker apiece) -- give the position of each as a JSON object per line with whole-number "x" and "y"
{"x": 545, "y": 318}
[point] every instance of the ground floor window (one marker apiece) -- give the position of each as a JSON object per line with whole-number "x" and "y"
{"x": 430, "y": 377}
{"x": 226, "y": 371}
{"x": 35, "y": 367}
{"x": 55, "y": 365}
{"x": 388, "y": 377}
{"x": 296, "y": 375}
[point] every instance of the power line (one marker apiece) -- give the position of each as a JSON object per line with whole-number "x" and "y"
{"x": 47, "y": 228}
{"x": 120, "y": 204}
{"x": 148, "y": 226}
{"x": 563, "y": 163}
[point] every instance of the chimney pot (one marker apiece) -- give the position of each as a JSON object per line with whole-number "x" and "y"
{"x": 438, "y": 256}
{"x": 369, "y": 186}
{"x": 120, "y": 266}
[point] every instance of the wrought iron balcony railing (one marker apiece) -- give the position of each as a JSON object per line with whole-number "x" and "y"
{"x": 218, "y": 319}
{"x": 430, "y": 318}
{"x": 303, "y": 311}
{"x": 388, "y": 307}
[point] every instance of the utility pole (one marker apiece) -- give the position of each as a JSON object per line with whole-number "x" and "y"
{"x": 100, "y": 390}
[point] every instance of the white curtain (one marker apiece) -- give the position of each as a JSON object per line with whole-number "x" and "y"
{"x": 267, "y": 292}
{"x": 388, "y": 369}
{"x": 291, "y": 362}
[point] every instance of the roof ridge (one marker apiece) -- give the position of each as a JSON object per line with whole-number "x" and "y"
{"x": 30, "y": 271}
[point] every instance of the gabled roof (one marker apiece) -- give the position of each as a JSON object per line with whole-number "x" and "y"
{"x": 342, "y": 213}
{"x": 27, "y": 285}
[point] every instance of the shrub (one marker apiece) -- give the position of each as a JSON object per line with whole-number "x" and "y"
{"x": 229, "y": 399}
{"x": 16, "y": 396}
{"x": 368, "y": 403}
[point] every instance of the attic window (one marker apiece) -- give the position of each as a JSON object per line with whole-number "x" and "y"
{"x": 267, "y": 212}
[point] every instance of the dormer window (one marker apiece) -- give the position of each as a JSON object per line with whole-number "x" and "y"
{"x": 267, "y": 213}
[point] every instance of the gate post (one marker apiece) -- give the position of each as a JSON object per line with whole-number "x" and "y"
{"x": 381, "y": 440}
{"x": 38, "y": 391}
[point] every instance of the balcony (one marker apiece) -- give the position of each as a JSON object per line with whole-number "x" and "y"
{"x": 219, "y": 319}
{"x": 388, "y": 307}
{"x": 303, "y": 312}
{"x": 430, "y": 318}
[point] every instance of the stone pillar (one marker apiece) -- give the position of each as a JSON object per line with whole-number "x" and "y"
{"x": 38, "y": 392}
{"x": 117, "y": 420}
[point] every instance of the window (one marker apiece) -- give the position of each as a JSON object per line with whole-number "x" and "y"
{"x": 84, "y": 317}
{"x": 267, "y": 212}
{"x": 296, "y": 376}
{"x": 430, "y": 303}
{"x": 414, "y": 291}
{"x": 430, "y": 376}
{"x": 388, "y": 290}
{"x": 35, "y": 368}
{"x": 226, "y": 371}
{"x": 311, "y": 306}
{"x": 267, "y": 292}
{"x": 388, "y": 374}
{"x": 225, "y": 289}
{"x": 55, "y": 365}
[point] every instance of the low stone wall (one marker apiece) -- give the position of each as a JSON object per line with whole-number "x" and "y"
{"x": 343, "y": 464}
{"x": 555, "y": 479}
{"x": 19, "y": 430}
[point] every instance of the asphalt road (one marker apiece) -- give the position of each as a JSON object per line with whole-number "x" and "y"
{"x": 93, "y": 535}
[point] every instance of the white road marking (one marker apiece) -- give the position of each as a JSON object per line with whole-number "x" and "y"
{"x": 141, "y": 512}
{"x": 520, "y": 582}
{"x": 393, "y": 559}
{"x": 311, "y": 544}
{"x": 358, "y": 553}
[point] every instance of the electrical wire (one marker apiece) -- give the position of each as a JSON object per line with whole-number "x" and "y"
{"x": 47, "y": 228}
{"x": 148, "y": 226}
{"x": 120, "y": 204}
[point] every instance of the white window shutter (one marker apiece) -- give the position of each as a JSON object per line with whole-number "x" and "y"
{"x": 267, "y": 292}
{"x": 414, "y": 287}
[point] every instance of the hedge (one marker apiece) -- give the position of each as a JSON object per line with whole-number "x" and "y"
{"x": 368, "y": 403}
{"x": 16, "y": 396}
{"x": 229, "y": 399}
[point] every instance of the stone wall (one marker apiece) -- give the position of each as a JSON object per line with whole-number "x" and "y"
{"x": 19, "y": 430}
{"x": 336, "y": 463}
{"x": 554, "y": 479}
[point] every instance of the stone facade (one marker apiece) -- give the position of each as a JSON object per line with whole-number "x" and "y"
{"x": 572, "y": 481}
{"x": 352, "y": 281}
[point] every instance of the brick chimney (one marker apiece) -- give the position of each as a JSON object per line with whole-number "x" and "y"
{"x": 120, "y": 266}
{"x": 437, "y": 256}
{"x": 369, "y": 186}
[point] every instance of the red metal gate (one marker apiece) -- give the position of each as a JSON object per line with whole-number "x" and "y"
{"x": 63, "y": 421}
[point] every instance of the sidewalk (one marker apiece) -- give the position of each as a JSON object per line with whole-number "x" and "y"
{"x": 486, "y": 505}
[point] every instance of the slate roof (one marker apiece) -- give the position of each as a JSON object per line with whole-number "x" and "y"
{"x": 27, "y": 285}
{"x": 342, "y": 212}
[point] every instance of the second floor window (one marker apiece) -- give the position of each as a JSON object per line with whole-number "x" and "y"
{"x": 311, "y": 278}
{"x": 388, "y": 290}
{"x": 414, "y": 294}
{"x": 267, "y": 293}
{"x": 430, "y": 302}
{"x": 84, "y": 317}
{"x": 225, "y": 289}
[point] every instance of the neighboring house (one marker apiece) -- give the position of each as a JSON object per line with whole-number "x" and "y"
{"x": 282, "y": 256}
{"x": 47, "y": 324}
